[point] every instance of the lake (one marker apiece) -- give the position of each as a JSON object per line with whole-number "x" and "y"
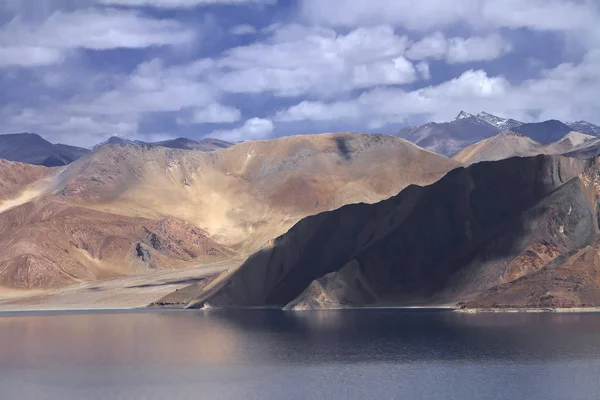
{"x": 268, "y": 354}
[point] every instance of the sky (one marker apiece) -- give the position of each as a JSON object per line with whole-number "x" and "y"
{"x": 79, "y": 71}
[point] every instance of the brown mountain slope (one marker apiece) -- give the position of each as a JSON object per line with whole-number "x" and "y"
{"x": 442, "y": 243}
{"x": 253, "y": 191}
{"x": 47, "y": 243}
{"x": 510, "y": 144}
{"x": 128, "y": 209}
{"x": 20, "y": 182}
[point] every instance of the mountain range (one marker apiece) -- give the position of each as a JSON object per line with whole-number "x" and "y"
{"x": 128, "y": 208}
{"x": 31, "y": 148}
{"x": 307, "y": 221}
{"x": 448, "y": 138}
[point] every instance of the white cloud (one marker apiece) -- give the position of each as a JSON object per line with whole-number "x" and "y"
{"x": 298, "y": 60}
{"x": 213, "y": 114}
{"x": 458, "y": 49}
{"x": 29, "y": 56}
{"x": 183, "y": 3}
{"x": 254, "y": 128}
{"x": 30, "y": 44}
{"x": 423, "y": 69}
{"x": 379, "y": 107}
{"x": 558, "y": 15}
{"x": 244, "y": 29}
{"x": 567, "y": 92}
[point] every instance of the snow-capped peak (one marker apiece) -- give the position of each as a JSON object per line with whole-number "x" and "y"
{"x": 585, "y": 127}
{"x": 500, "y": 123}
{"x": 463, "y": 115}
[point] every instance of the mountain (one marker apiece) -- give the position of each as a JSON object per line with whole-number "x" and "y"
{"x": 207, "y": 144}
{"x": 510, "y": 144}
{"x": 449, "y": 137}
{"x": 503, "y": 145}
{"x": 585, "y": 127}
{"x": 544, "y": 132}
{"x": 477, "y": 231}
{"x": 182, "y": 143}
{"x": 33, "y": 149}
{"x": 500, "y": 123}
{"x": 127, "y": 209}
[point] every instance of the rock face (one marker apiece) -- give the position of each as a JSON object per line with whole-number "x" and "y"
{"x": 33, "y": 149}
{"x": 476, "y": 228}
{"x": 128, "y": 208}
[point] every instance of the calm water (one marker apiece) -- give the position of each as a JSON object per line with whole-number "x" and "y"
{"x": 257, "y": 354}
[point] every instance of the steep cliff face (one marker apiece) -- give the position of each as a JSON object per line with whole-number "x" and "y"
{"x": 440, "y": 243}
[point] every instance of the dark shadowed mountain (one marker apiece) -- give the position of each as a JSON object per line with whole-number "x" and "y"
{"x": 31, "y": 148}
{"x": 585, "y": 127}
{"x": 491, "y": 225}
{"x": 544, "y": 132}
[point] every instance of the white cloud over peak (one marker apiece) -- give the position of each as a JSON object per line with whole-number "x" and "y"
{"x": 213, "y": 114}
{"x": 254, "y": 128}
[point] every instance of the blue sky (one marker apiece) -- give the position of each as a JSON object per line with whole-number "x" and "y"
{"x": 78, "y": 71}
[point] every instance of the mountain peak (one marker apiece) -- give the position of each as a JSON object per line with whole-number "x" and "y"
{"x": 463, "y": 115}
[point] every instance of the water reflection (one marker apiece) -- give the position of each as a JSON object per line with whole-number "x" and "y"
{"x": 258, "y": 354}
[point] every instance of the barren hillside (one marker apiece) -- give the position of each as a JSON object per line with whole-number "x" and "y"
{"x": 126, "y": 209}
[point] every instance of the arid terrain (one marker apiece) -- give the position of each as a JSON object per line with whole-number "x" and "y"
{"x": 504, "y": 233}
{"x": 133, "y": 209}
{"x": 305, "y": 222}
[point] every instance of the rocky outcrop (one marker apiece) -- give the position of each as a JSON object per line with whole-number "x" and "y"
{"x": 442, "y": 243}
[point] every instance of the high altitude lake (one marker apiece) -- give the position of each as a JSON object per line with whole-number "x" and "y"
{"x": 260, "y": 354}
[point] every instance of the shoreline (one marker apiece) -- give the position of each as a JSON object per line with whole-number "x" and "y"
{"x": 517, "y": 310}
{"x": 25, "y": 310}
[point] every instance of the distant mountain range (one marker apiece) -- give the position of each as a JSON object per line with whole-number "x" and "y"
{"x": 182, "y": 143}
{"x": 31, "y": 148}
{"x": 448, "y": 138}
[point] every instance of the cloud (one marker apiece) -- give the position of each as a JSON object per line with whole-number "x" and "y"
{"x": 568, "y": 92}
{"x": 29, "y": 44}
{"x": 245, "y": 29}
{"x": 423, "y": 69}
{"x": 213, "y": 114}
{"x": 182, "y": 3}
{"x": 458, "y": 50}
{"x": 254, "y": 128}
{"x": 379, "y": 107}
{"x": 559, "y": 15}
{"x": 298, "y": 60}
{"x": 29, "y": 56}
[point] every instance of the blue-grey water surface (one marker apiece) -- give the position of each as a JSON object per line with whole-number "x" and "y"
{"x": 267, "y": 354}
